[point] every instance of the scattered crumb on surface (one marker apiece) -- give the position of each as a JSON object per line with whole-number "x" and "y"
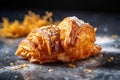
{"x": 16, "y": 76}
{"x": 70, "y": 65}
{"x": 92, "y": 61}
{"x": 87, "y": 70}
{"x": 14, "y": 68}
{"x": 100, "y": 55}
{"x": 11, "y": 64}
{"x": 23, "y": 66}
{"x": 50, "y": 70}
{"x": 17, "y": 61}
{"x": 110, "y": 59}
{"x": 20, "y": 67}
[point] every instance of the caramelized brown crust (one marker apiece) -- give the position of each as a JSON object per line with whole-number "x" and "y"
{"x": 70, "y": 40}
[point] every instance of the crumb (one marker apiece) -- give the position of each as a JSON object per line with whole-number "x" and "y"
{"x": 87, "y": 70}
{"x": 71, "y": 65}
{"x": 14, "y": 68}
{"x": 100, "y": 55}
{"x": 16, "y": 76}
{"x": 110, "y": 59}
{"x": 92, "y": 61}
{"x": 11, "y": 64}
{"x": 50, "y": 70}
{"x": 23, "y": 66}
{"x": 17, "y": 61}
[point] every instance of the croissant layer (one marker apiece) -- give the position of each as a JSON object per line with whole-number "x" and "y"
{"x": 72, "y": 39}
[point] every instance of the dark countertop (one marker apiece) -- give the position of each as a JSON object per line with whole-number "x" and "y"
{"x": 99, "y": 67}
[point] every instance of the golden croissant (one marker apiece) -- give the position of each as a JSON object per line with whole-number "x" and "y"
{"x": 72, "y": 39}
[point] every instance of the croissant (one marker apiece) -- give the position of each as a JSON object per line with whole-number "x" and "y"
{"x": 72, "y": 39}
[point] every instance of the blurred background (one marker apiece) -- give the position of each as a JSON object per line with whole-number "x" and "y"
{"x": 100, "y": 13}
{"x": 83, "y": 5}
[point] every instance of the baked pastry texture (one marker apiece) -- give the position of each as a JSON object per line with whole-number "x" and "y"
{"x": 72, "y": 39}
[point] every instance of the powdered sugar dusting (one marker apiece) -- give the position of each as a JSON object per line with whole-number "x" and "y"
{"x": 78, "y": 21}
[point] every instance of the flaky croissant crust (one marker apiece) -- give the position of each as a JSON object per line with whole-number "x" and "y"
{"x": 72, "y": 39}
